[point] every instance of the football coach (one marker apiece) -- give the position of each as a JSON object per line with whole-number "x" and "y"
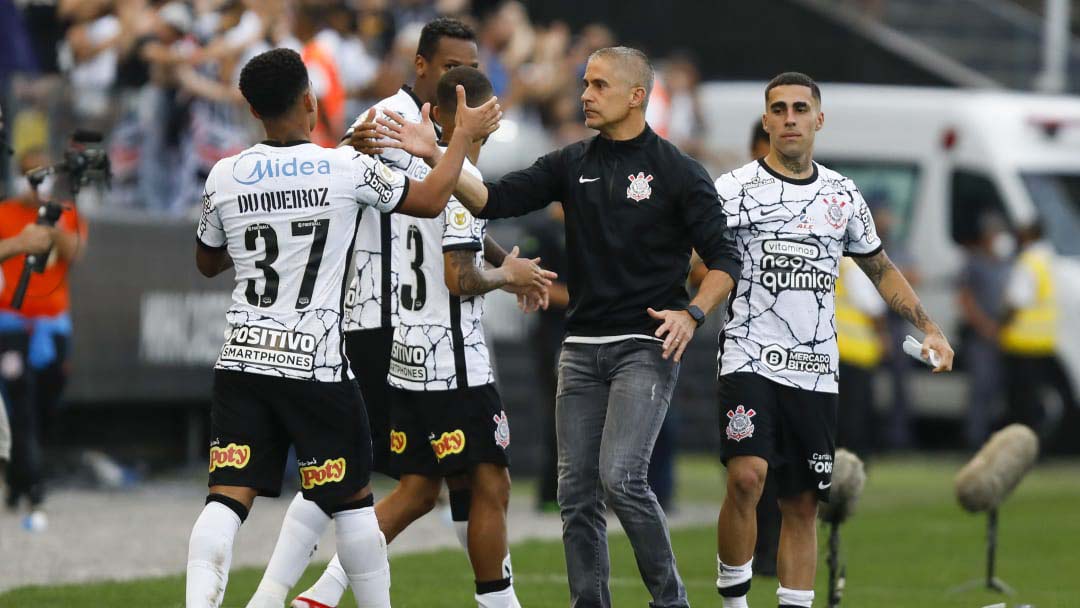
{"x": 635, "y": 206}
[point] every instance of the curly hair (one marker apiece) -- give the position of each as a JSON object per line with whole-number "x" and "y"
{"x": 436, "y": 30}
{"x": 272, "y": 81}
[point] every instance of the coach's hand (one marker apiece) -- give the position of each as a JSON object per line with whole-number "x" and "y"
{"x": 937, "y": 342}
{"x": 416, "y": 138}
{"x": 679, "y": 327}
{"x": 479, "y": 122}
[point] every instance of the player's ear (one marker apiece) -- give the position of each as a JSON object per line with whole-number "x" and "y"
{"x": 637, "y": 97}
{"x": 436, "y": 115}
{"x": 420, "y": 64}
{"x": 309, "y": 100}
{"x": 820, "y": 121}
{"x": 251, "y": 109}
{"x": 765, "y": 122}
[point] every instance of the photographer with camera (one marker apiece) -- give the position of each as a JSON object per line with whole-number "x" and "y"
{"x": 34, "y": 338}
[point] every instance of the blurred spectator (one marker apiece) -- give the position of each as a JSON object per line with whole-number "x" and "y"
{"x": 324, "y": 71}
{"x": 547, "y": 240}
{"x": 979, "y": 292}
{"x": 860, "y": 338}
{"x": 34, "y": 341}
{"x": 895, "y": 430}
{"x": 88, "y": 56}
{"x": 1029, "y": 339}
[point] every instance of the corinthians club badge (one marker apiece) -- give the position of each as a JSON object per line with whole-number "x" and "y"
{"x": 639, "y": 188}
{"x": 739, "y": 426}
{"x": 835, "y": 212}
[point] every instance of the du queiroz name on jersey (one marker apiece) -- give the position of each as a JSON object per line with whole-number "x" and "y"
{"x": 792, "y": 234}
{"x": 288, "y": 217}
{"x": 439, "y": 343}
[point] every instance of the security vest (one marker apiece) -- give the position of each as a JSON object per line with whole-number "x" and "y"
{"x": 332, "y": 102}
{"x": 856, "y": 337}
{"x": 1031, "y": 330}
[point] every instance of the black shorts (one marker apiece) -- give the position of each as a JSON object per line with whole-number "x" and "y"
{"x": 445, "y": 433}
{"x": 254, "y": 418}
{"x": 793, "y": 429}
{"x": 369, "y": 359}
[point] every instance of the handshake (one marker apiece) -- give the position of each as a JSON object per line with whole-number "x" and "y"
{"x": 33, "y": 239}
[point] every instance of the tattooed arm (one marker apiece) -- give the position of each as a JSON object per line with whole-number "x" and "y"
{"x": 465, "y": 278}
{"x": 897, "y": 292}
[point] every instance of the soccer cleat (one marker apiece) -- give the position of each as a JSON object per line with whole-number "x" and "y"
{"x": 303, "y": 602}
{"x": 36, "y": 521}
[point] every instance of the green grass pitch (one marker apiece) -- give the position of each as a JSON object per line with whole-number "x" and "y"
{"x": 908, "y": 546}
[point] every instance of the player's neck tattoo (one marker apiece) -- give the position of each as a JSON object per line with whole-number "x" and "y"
{"x": 797, "y": 165}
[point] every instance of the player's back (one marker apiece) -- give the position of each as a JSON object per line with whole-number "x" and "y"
{"x": 439, "y": 344}
{"x": 288, "y": 215}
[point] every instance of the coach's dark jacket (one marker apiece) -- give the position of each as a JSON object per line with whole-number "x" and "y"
{"x": 633, "y": 209}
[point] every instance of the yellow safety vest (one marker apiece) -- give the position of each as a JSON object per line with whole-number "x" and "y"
{"x": 1031, "y": 331}
{"x": 856, "y": 337}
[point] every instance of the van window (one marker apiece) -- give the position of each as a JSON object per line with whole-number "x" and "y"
{"x": 889, "y": 189}
{"x": 1057, "y": 198}
{"x": 973, "y": 195}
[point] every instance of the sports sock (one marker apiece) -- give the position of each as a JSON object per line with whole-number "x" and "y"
{"x": 733, "y": 583}
{"x": 362, "y": 551}
{"x": 496, "y": 594}
{"x": 210, "y": 551}
{"x": 301, "y": 529}
{"x": 460, "y": 503}
{"x": 794, "y": 598}
{"x": 330, "y": 586}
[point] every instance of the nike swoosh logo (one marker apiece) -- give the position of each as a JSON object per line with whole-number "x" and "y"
{"x": 821, "y": 485}
{"x": 770, "y": 211}
{"x": 583, "y": 180}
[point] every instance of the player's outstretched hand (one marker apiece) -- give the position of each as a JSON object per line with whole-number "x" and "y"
{"x": 940, "y": 345}
{"x": 531, "y": 300}
{"x": 525, "y": 273}
{"x": 479, "y": 122}
{"x": 365, "y": 136}
{"x": 679, "y": 328}
{"x": 416, "y": 138}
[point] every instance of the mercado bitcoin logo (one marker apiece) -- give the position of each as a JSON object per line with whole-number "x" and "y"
{"x": 331, "y": 471}
{"x": 397, "y": 442}
{"x": 232, "y": 455}
{"x": 449, "y": 443}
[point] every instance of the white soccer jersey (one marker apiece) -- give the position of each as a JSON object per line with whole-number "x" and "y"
{"x": 288, "y": 217}
{"x": 792, "y": 234}
{"x": 372, "y": 301}
{"x": 439, "y": 344}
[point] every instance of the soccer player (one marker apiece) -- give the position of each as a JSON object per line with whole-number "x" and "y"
{"x": 447, "y": 418}
{"x": 284, "y": 213}
{"x": 793, "y": 219}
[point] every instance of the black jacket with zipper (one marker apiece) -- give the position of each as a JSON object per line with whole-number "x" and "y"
{"x": 628, "y": 248}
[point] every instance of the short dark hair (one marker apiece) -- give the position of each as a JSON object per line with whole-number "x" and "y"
{"x": 795, "y": 78}
{"x": 272, "y": 81}
{"x": 641, "y": 69}
{"x": 478, "y": 88}
{"x": 436, "y": 30}
{"x": 758, "y": 134}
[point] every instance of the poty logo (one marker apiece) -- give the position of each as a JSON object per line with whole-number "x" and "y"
{"x": 232, "y": 455}
{"x": 331, "y": 471}
{"x": 449, "y": 443}
{"x": 398, "y": 441}
{"x": 253, "y": 167}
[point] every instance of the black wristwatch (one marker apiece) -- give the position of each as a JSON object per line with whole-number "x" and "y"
{"x": 696, "y": 314}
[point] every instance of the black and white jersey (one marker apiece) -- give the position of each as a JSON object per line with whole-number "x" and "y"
{"x": 288, "y": 217}
{"x": 372, "y": 301}
{"x": 792, "y": 234}
{"x": 439, "y": 343}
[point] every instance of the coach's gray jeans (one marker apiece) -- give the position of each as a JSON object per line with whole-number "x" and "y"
{"x": 611, "y": 401}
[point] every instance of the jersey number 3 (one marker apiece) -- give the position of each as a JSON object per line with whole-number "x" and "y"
{"x": 414, "y": 243}
{"x": 319, "y": 228}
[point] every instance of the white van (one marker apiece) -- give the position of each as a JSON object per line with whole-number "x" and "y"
{"x": 941, "y": 157}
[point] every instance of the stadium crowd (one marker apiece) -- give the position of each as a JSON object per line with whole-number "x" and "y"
{"x": 160, "y": 78}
